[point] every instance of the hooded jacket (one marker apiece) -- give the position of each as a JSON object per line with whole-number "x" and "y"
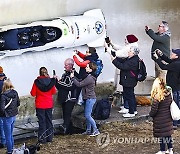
{"x": 12, "y": 109}
{"x": 43, "y": 89}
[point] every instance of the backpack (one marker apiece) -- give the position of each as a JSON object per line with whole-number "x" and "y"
{"x": 102, "y": 109}
{"x": 142, "y": 74}
{"x": 99, "y": 64}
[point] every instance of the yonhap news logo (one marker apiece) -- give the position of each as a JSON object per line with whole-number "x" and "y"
{"x": 103, "y": 140}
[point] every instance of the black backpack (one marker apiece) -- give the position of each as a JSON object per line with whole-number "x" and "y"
{"x": 102, "y": 109}
{"x": 142, "y": 74}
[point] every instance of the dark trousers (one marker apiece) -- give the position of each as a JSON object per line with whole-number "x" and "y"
{"x": 67, "y": 108}
{"x": 165, "y": 140}
{"x": 176, "y": 97}
{"x": 45, "y": 132}
{"x": 129, "y": 96}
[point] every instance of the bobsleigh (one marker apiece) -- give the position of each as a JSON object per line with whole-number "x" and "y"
{"x": 62, "y": 32}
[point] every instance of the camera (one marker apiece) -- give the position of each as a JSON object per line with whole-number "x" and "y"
{"x": 54, "y": 72}
{"x": 107, "y": 40}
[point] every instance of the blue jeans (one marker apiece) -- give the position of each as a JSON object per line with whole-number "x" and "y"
{"x": 8, "y": 124}
{"x": 176, "y": 97}
{"x": 2, "y": 135}
{"x": 90, "y": 122}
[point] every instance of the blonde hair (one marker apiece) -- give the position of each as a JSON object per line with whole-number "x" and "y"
{"x": 7, "y": 85}
{"x": 158, "y": 89}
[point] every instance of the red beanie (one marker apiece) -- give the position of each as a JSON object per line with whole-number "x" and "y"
{"x": 131, "y": 38}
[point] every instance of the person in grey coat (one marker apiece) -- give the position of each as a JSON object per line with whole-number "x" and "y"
{"x": 161, "y": 41}
{"x": 89, "y": 97}
{"x": 160, "y": 112}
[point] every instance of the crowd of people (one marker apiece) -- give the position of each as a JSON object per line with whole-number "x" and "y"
{"x": 72, "y": 85}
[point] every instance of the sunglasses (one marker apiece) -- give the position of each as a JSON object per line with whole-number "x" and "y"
{"x": 161, "y": 26}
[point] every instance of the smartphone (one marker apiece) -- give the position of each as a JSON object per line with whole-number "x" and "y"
{"x": 54, "y": 72}
{"x": 107, "y": 40}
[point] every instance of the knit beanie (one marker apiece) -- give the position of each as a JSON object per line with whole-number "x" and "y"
{"x": 131, "y": 38}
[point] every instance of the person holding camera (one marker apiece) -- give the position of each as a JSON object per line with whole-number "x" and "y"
{"x": 172, "y": 66}
{"x": 67, "y": 95}
{"x": 89, "y": 96}
{"x": 161, "y": 41}
{"x": 121, "y": 52}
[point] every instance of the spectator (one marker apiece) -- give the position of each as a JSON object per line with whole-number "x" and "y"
{"x": 173, "y": 73}
{"x": 43, "y": 88}
{"x": 2, "y": 135}
{"x": 128, "y": 68}
{"x": 89, "y": 97}
{"x": 66, "y": 95}
{"x": 122, "y": 52}
{"x": 8, "y": 110}
{"x": 160, "y": 112}
{"x": 161, "y": 41}
{"x": 90, "y": 56}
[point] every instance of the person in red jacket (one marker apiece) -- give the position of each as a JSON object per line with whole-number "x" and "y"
{"x": 43, "y": 88}
{"x": 90, "y": 56}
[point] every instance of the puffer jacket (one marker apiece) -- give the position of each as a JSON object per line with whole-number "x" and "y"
{"x": 126, "y": 66}
{"x": 12, "y": 109}
{"x": 43, "y": 89}
{"x": 162, "y": 120}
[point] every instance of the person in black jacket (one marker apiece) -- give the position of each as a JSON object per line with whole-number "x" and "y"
{"x": 173, "y": 73}
{"x": 8, "y": 111}
{"x": 67, "y": 95}
{"x": 128, "y": 69}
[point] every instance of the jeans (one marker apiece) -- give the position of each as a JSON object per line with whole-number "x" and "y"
{"x": 129, "y": 96}
{"x": 2, "y": 135}
{"x": 165, "y": 140}
{"x": 90, "y": 122}
{"x": 45, "y": 131}
{"x": 176, "y": 97}
{"x": 67, "y": 108}
{"x": 8, "y": 124}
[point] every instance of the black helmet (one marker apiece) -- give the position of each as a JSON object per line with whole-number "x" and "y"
{"x": 23, "y": 38}
{"x": 50, "y": 34}
{"x": 2, "y": 42}
{"x": 35, "y": 35}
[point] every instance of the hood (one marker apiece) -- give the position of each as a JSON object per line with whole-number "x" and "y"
{"x": 45, "y": 83}
{"x": 92, "y": 57}
{"x": 10, "y": 93}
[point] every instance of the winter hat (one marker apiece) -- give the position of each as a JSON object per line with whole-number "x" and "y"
{"x": 176, "y": 51}
{"x": 131, "y": 38}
